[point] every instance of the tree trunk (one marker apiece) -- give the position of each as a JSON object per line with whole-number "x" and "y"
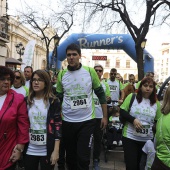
{"x": 47, "y": 57}
{"x": 140, "y": 65}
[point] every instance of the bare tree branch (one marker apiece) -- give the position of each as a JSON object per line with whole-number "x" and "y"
{"x": 138, "y": 29}
{"x": 59, "y": 22}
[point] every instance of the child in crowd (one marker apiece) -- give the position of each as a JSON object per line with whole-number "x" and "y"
{"x": 114, "y": 134}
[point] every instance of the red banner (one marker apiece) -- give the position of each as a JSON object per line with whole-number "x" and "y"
{"x": 99, "y": 57}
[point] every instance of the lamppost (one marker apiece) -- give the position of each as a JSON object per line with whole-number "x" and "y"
{"x": 143, "y": 44}
{"x": 20, "y": 50}
{"x": 54, "y": 55}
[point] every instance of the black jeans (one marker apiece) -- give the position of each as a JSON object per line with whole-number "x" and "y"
{"x": 78, "y": 138}
{"x": 32, "y": 162}
{"x": 97, "y": 140}
{"x": 132, "y": 153}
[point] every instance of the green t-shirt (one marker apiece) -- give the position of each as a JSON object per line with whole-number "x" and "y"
{"x": 163, "y": 139}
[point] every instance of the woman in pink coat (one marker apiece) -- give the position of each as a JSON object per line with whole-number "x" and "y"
{"x": 14, "y": 122}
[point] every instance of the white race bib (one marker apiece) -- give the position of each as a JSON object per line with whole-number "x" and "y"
{"x": 144, "y": 132}
{"x": 38, "y": 137}
{"x": 113, "y": 88}
{"x": 77, "y": 102}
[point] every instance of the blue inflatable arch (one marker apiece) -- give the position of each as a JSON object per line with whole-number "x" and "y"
{"x": 105, "y": 41}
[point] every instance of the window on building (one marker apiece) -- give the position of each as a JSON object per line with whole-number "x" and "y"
{"x": 166, "y": 70}
{"x": 117, "y": 63}
{"x": 127, "y": 63}
{"x": 107, "y": 64}
{"x": 165, "y": 51}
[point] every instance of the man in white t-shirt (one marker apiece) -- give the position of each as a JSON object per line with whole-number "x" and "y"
{"x": 116, "y": 87}
{"x": 75, "y": 88}
{"x": 28, "y": 70}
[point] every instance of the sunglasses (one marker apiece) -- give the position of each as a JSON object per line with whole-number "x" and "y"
{"x": 113, "y": 74}
{"x": 71, "y": 54}
{"x": 98, "y": 70}
{"x": 17, "y": 77}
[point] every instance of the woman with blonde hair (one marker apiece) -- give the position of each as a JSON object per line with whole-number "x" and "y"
{"x": 45, "y": 123}
{"x": 162, "y": 158}
{"x": 19, "y": 83}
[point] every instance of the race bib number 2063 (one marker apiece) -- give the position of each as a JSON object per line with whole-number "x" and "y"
{"x": 38, "y": 137}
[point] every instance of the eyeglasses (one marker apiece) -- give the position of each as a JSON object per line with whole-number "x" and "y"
{"x": 98, "y": 70}
{"x": 72, "y": 54}
{"x": 17, "y": 77}
{"x": 7, "y": 79}
{"x": 34, "y": 80}
{"x": 113, "y": 74}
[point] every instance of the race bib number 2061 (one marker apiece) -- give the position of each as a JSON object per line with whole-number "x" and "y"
{"x": 78, "y": 102}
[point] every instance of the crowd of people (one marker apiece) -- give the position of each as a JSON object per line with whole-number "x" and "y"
{"x": 52, "y": 118}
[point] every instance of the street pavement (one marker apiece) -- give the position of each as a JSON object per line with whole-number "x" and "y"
{"x": 115, "y": 160}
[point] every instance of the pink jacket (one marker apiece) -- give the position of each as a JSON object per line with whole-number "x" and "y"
{"x": 14, "y": 126}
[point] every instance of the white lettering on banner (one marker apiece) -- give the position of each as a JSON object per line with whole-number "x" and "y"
{"x": 84, "y": 43}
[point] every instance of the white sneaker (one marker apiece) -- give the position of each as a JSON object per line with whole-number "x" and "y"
{"x": 120, "y": 143}
{"x": 114, "y": 142}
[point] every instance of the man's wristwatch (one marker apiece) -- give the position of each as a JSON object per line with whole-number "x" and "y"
{"x": 20, "y": 150}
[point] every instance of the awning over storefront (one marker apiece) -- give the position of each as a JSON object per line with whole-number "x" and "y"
{"x": 13, "y": 61}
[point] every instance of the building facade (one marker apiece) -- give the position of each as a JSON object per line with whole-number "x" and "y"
{"x": 4, "y": 37}
{"x": 115, "y": 59}
{"x": 21, "y": 34}
{"x": 163, "y": 66}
